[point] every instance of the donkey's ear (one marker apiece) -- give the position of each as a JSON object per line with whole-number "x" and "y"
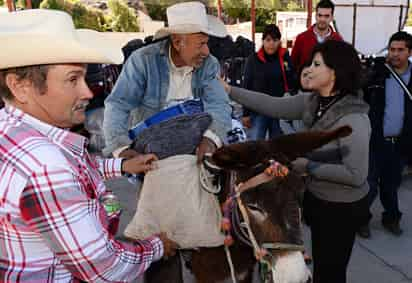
{"x": 295, "y": 145}
{"x": 241, "y": 155}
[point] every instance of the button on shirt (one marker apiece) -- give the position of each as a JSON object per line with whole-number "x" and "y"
{"x": 52, "y": 225}
{"x": 180, "y": 83}
{"x": 180, "y": 90}
{"x": 395, "y": 105}
{"x": 321, "y": 38}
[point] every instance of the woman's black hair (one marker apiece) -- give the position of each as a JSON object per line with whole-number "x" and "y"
{"x": 343, "y": 58}
{"x": 271, "y": 30}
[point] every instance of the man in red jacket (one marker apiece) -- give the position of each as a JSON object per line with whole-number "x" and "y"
{"x": 318, "y": 33}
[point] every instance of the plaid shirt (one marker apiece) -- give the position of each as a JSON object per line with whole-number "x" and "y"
{"x": 52, "y": 226}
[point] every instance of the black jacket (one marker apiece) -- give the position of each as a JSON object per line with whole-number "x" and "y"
{"x": 375, "y": 95}
{"x": 264, "y": 74}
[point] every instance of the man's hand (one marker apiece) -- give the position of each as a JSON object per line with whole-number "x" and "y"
{"x": 206, "y": 145}
{"x": 128, "y": 153}
{"x": 247, "y": 122}
{"x": 141, "y": 163}
{"x": 169, "y": 247}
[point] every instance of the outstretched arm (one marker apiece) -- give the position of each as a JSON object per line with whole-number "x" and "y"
{"x": 288, "y": 108}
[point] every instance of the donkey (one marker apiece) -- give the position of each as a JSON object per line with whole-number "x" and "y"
{"x": 272, "y": 209}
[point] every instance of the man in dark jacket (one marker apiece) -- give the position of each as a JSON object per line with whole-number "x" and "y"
{"x": 391, "y": 119}
{"x": 318, "y": 33}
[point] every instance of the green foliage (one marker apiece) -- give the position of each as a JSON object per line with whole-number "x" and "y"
{"x": 83, "y": 17}
{"x": 122, "y": 17}
{"x": 293, "y": 6}
{"x": 409, "y": 21}
{"x": 157, "y": 8}
{"x": 265, "y": 11}
{"x": 237, "y": 9}
{"x": 22, "y": 3}
{"x": 264, "y": 17}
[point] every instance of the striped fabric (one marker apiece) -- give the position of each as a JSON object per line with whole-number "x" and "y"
{"x": 52, "y": 226}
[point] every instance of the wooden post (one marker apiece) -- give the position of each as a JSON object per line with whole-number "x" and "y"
{"x": 28, "y": 4}
{"x": 355, "y": 14}
{"x": 253, "y": 19}
{"x": 309, "y": 19}
{"x": 219, "y": 9}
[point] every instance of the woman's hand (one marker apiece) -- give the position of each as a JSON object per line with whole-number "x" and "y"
{"x": 226, "y": 86}
{"x": 141, "y": 163}
{"x": 247, "y": 122}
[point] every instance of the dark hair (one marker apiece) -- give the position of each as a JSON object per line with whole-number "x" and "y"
{"x": 343, "y": 58}
{"x": 402, "y": 36}
{"x": 37, "y": 75}
{"x": 271, "y": 30}
{"x": 327, "y": 4}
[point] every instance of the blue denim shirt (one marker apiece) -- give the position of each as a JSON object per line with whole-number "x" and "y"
{"x": 393, "y": 118}
{"x": 142, "y": 88}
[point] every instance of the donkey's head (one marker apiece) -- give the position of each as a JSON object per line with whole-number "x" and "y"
{"x": 273, "y": 207}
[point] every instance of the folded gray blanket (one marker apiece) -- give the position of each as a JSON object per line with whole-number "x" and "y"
{"x": 179, "y": 135}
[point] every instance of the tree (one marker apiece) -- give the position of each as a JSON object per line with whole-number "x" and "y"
{"x": 122, "y": 17}
{"x": 293, "y": 6}
{"x": 157, "y": 8}
{"x": 409, "y": 21}
{"x": 237, "y": 9}
{"x": 119, "y": 18}
{"x": 83, "y": 17}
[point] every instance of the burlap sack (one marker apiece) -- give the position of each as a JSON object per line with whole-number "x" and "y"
{"x": 172, "y": 201}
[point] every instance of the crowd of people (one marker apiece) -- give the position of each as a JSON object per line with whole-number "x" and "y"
{"x": 53, "y": 226}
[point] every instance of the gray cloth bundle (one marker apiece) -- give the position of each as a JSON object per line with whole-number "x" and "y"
{"x": 178, "y": 135}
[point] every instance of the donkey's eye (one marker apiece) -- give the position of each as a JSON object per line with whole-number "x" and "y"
{"x": 255, "y": 207}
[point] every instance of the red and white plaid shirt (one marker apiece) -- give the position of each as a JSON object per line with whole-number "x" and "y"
{"x": 52, "y": 226}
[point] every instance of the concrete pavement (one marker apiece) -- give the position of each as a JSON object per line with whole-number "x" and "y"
{"x": 382, "y": 259}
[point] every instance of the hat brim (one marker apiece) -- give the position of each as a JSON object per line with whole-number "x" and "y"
{"x": 215, "y": 28}
{"x": 86, "y": 46}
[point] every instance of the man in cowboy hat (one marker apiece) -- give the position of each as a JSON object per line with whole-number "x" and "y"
{"x": 52, "y": 224}
{"x": 170, "y": 71}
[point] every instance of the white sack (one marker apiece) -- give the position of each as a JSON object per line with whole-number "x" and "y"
{"x": 172, "y": 201}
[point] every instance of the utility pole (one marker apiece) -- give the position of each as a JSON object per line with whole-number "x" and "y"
{"x": 309, "y": 19}
{"x": 253, "y": 19}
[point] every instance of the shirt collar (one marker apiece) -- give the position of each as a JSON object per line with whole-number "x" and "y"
{"x": 66, "y": 139}
{"x": 408, "y": 70}
{"x": 320, "y": 37}
{"x": 185, "y": 70}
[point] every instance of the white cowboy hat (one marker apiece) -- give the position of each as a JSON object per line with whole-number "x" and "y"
{"x": 191, "y": 17}
{"x": 38, "y": 36}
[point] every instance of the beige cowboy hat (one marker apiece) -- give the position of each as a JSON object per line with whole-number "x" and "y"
{"x": 39, "y": 36}
{"x": 191, "y": 17}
